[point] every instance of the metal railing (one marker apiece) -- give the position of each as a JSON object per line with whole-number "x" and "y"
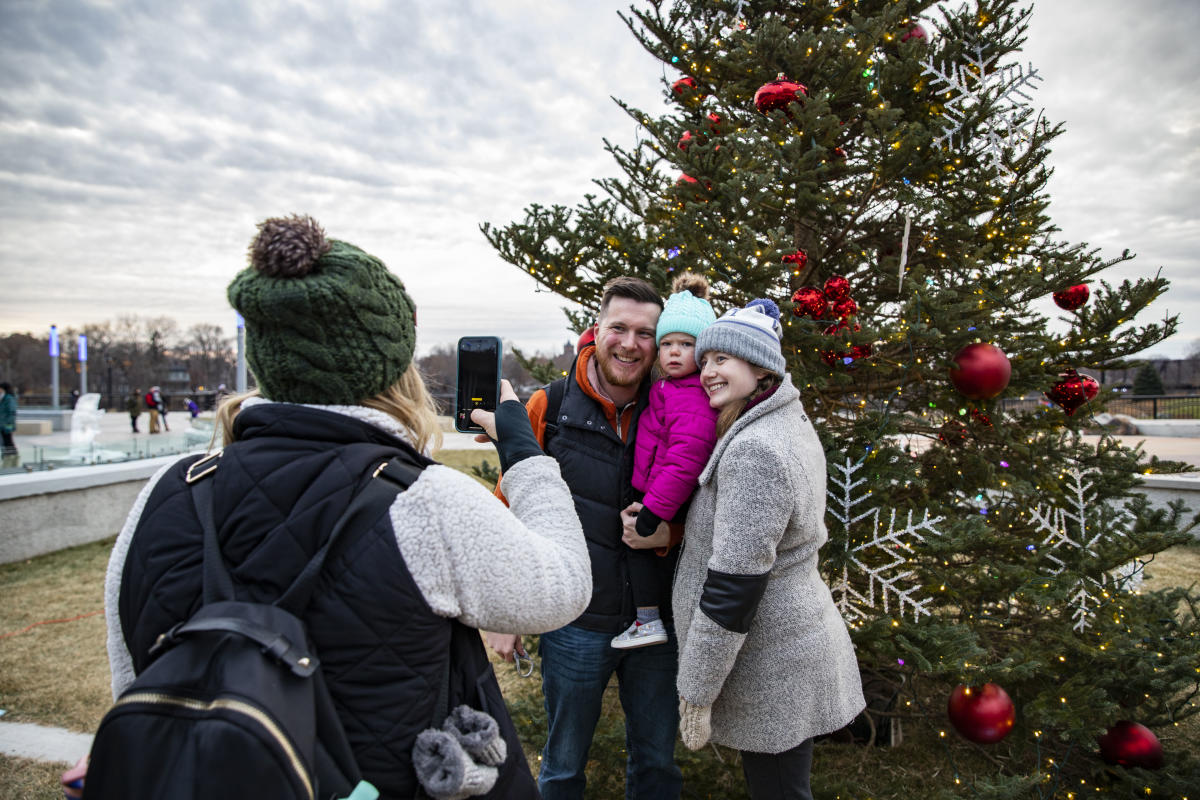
{"x": 1135, "y": 406}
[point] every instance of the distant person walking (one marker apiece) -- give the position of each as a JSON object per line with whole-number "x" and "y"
{"x": 8, "y": 423}
{"x": 158, "y": 409}
{"x": 133, "y": 404}
{"x": 219, "y": 397}
{"x": 152, "y": 407}
{"x": 192, "y": 408}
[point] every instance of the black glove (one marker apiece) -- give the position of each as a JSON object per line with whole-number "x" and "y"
{"x": 647, "y": 522}
{"x": 514, "y": 435}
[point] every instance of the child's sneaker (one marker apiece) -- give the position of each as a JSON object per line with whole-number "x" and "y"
{"x": 640, "y": 635}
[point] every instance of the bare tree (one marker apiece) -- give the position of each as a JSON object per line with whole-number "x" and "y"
{"x": 209, "y": 354}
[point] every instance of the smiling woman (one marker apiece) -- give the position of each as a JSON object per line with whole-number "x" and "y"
{"x": 765, "y": 659}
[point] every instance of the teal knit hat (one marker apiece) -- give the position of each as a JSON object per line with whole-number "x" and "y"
{"x": 684, "y": 313}
{"x": 326, "y": 323}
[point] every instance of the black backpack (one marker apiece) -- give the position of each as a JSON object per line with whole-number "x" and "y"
{"x": 235, "y": 705}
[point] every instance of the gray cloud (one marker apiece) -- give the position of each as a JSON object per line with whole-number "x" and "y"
{"x": 141, "y": 141}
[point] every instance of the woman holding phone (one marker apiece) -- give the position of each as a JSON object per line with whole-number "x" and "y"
{"x": 766, "y": 661}
{"x": 330, "y": 335}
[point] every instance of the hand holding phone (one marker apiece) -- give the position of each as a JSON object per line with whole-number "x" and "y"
{"x": 487, "y": 419}
{"x": 478, "y": 383}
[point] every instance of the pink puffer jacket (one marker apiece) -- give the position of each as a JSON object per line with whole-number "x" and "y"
{"x": 675, "y": 437}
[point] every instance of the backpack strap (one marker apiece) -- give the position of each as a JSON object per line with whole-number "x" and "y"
{"x": 389, "y": 479}
{"x": 555, "y": 391}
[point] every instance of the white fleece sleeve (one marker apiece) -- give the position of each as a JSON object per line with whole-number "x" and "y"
{"x": 120, "y": 662}
{"x": 523, "y": 569}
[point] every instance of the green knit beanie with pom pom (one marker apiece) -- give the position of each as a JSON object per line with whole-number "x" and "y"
{"x": 326, "y": 323}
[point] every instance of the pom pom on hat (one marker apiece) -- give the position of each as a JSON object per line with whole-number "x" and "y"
{"x": 287, "y": 247}
{"x": 687, "y": 310}
{"x": 765, "y": 306}
{"x": 752, "y": 333}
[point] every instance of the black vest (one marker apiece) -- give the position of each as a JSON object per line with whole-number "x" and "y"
{"x": 598, "y": 467}
{"x": 278, "y": 490}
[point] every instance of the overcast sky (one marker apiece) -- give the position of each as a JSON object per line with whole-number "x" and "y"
{"x": 140, "y": 142}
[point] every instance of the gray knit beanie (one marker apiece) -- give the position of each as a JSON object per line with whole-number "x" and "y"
{"x": 752, "y": 333}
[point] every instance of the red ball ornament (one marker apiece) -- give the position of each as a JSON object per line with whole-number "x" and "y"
{"x": 1130, "y": 744}
{"x": 685, "y": 178}
{"x": 685, "y": 140}
{"x": 797, "y": 259}
{"x": 839, "y": 154}
{"x": 1073, "y": 390}
{"x": 808, "y": 302}
{"x": 980, "y": 371}
{"x": 778, "y": 93}
{"x": 917, "y": 31}
{"x": 984, "y": 715}
{"x": 687, "y": 91}
{"x": 845, "y": 308}
{"x": 714, "y": 123}
{"x": 1072, "y": 298}
{"x": 837, "y": 288}
{"x": 685, "y": 84}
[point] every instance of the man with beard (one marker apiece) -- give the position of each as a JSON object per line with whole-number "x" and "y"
{"x": 591, "y": 435}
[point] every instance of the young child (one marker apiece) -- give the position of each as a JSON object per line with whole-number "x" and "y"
{"x": 675, "y": 437}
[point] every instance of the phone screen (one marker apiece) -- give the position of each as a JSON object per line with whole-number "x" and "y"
{"x": 478, "y": 379}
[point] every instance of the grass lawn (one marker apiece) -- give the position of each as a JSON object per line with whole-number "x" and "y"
{"x": 54, "y": 671}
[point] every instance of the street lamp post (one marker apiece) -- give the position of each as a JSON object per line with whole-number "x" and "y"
{"x": 54, "y": 367}
{"x": 241, "y": 354}
{"x": 82, "y": 364}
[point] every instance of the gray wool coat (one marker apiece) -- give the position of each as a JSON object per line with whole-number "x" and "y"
{"x": 760, "y": 508}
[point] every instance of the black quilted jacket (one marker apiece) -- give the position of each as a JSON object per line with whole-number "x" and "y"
{"x": 278, "y": 490}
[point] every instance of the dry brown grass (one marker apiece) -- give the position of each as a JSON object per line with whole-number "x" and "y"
{"x": 1179, "y": 566}
{"x": 25, "y": 779}
{"x": 55, "y": 673}
{"x": 465, "y": 459}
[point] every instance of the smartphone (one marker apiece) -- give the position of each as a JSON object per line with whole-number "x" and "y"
{"x": 478, "y": 384}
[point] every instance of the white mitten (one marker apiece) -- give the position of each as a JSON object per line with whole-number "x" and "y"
{"x": 695, "y": 724}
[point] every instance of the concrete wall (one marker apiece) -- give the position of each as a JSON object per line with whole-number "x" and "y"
{"x": 1163, "y": 489}
{"x": 60, "y": 420}
{"x": 41, "y": 512}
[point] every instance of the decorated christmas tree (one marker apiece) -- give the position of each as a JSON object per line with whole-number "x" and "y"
{"x": 879, "y": 169}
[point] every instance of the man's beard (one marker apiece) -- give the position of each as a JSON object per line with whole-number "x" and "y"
{"x": 617, "y": 380}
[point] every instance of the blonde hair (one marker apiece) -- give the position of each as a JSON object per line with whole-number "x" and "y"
{"x": 407, "y": 401}
{"x": 730, "y": 413}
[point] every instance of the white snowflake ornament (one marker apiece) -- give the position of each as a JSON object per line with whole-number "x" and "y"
{"x": 977, "y": 84}
{"x": 1080, "y": 528}
{"x": 880, "y": 557}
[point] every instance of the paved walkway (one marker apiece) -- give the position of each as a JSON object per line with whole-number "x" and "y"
{"x": 42, "y": 743}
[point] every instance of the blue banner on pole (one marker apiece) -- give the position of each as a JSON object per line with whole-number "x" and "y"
{"x": 53, "y": 341}
{"x": 83, "y": 347}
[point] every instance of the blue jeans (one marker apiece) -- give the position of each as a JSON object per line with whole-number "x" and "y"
{"x": 576, "y": 666}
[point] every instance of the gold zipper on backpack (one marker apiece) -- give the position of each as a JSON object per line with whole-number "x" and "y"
{"x": 154, "y": 698}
